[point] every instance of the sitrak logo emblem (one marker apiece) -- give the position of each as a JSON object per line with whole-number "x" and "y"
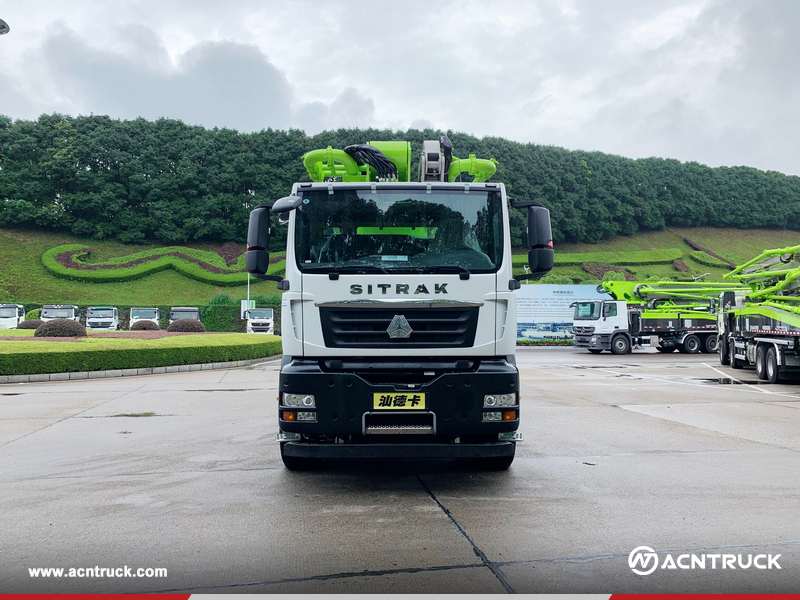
{"x": 399, "y": 328}
{"x": 644, "y": 557}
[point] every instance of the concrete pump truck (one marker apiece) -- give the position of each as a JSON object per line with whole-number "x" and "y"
{"x": 668, "y": 315}
{"x": 760, "y": 327}
{"x": 398, "y": 315}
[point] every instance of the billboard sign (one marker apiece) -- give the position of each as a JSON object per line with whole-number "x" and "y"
{"x": 543, "y": 311}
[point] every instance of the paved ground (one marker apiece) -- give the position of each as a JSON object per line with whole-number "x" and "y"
{"x": 619, "y": 452}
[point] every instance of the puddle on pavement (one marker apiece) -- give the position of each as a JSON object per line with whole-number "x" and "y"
{"x": 728, "y": 381}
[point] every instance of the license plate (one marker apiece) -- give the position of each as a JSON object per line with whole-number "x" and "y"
{"x": 398, "y": 401}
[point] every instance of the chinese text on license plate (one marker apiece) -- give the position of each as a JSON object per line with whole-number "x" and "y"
{"x": 402, "y": 401}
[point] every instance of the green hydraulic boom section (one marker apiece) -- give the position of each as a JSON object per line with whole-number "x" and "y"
{"x": 772, "y": 279}
{"x": 669, "y": 296}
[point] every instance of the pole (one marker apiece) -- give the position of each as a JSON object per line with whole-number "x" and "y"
{"x": 248, "y": 290}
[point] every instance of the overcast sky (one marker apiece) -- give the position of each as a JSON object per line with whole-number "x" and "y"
{"x": 715, "y": 81}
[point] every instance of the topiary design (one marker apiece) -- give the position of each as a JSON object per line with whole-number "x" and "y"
{"x": 32, "y": 314}
{"x": 186, "y": 326}
{"x": 29, "y": 324}
{"x": 145, "y": 326}
{"x": 60, "y": 328}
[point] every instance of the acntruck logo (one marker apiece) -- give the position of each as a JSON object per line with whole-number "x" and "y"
{"x": 643, "y": 560}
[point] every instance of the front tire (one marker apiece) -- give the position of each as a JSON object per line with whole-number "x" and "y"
{"x": 724, "y": 357}
{"x": 735, "y": 362}
{"x": 710, "y": 344}
{"x": 761, "y": 362}
{"x": 691, "y": 344}
{"x": 620, "y": 345}
{"x": 773, "y": 374}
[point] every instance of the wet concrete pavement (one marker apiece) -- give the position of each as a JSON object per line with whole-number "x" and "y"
{"x": 181, "y": 471}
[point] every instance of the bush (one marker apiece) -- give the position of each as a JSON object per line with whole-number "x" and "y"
{"x": 29, "y": 324}
{"x": 145, "y": 326}
{"x": 32, "y": 314}
{"x": 555, "y": 279}
{"x": 221, "y": 299}
{"x": 186, "y": 326}
{"x": 60, "y": 328}
{"x": 706, "y": 259}
{"x": 613, "y": 276}
{"x": 262, "y": 300}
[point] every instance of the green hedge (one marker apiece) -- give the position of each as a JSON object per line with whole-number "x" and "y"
{"x": 706, "y": 259}
{"x": 638, "y": 257}
{"x": 97, "y": 354}
{"x": 230, "y": 276}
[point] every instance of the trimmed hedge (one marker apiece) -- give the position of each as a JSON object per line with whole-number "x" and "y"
{"x": 145, "y": 326}
{"x": 96, "y": 354}
{"x": 29, "y": 324}
{"x": 32, "y": 315}
{"x": 706, "y": 259}
{"x": 60, "y": 328}
{"x": 638, "y": 257}
{"x": 186, "y": 326}
{"x": 230, "y": 276}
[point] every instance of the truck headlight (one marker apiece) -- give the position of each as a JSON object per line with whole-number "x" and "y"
{"x": 498, "y": 400}
{"x": 492, "y": 416}
{"x": 299, "y": 400}
{"x": 306, "y": 416}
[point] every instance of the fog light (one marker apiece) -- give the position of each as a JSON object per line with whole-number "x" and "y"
{"x": 492, "y": 416}
{"x": 289, "y": 415}
{"x": 499, "y": 400}
{"x": 299, "y": 400}
{"x": 508, "y": 415}
{"x": 306, "y": 416}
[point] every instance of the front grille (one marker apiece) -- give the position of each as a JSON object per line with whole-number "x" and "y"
{"x": 451, "y": 327}
{"x": 583, "y": 330}
{"x": 260, "y": 328}
{"x": 99, "y": 325}
{"x": 399, "y": 424}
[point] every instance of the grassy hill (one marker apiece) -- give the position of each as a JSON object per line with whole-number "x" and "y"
{"x": 23, "y": 279}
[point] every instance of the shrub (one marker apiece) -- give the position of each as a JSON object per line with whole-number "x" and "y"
{"x": 555, "y": 278}
{"x": 613, "y": 276}
{"x": 29, "y": 324}
{"x": 32, "y": 314}
{"x": 266, "y": 301}
{"x": 145, "y": 326}
{"x": 221, "y": 299}
{"x": 708, "y": 260}
{"x": 187, "y": 325}
{"x": 60, "y": 328}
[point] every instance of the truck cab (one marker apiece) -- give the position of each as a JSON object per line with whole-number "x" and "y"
{"x": 144, "y": 314}
{"x": 103, "y": 318}
{"x": 184, "y": 312}
{"x": 260, "y": 320}
{"x": 601, "y": 325}
{"x": 398, "y": 316}
{"x": 11, "y": 315}
{"x": 50, "y": 312}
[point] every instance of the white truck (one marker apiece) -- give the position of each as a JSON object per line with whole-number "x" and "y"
{"x": 50, "y": 312}
{"x": 398, "y": 315}
{"x": 260, "y": 320}
{"x": 144, "y": 314}
{"x": 103, "y": 318}
{"x": 184, "y": 312}
{"x": 11, "y": 315}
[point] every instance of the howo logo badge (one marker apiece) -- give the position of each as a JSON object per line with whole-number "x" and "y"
{"x": 399, "y": 328}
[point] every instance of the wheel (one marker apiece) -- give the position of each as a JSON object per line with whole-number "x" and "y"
{"x": 691, "y": 344}
{"x": 761, "y": 362}
{"x": 710, "y": 344}
{"x": 735, "y": 362}
{"x": 724, "y": 357}
{"x": 620, "y": 345}
{"x": 297, "y": 463}
{"x": 773, "y": 375}
{"x": 595, "y": 350}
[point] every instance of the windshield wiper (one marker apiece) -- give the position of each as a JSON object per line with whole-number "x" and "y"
{"x": 355, "y": 268}
{"x": 463, "y": 272}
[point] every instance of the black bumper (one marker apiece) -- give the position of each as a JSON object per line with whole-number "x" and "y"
{"x": 344, "y": 393}
{"x": 399, "y": 451}
{"x": 602, "y": 341}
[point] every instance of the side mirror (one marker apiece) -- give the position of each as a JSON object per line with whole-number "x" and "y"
{"x": 256, "y": 257}
{"x": 287, "y": 204}
{"x": 541, "y": 255}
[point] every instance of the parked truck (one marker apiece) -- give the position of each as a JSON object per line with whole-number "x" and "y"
{"x": 11, "y": 315}
{"x": 104, "y": 318}
{"x": 144, "y": 314}
{"x": 666, "y": 315}
{"x": 50, "y": 312}
{"x": 760, "y": 327}
{"x": 260, "y": 320}
{"x": 398, "y": 315}
{"x": 184, "y": 312}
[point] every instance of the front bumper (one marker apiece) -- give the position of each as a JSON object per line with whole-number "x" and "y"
{"x": 454, "y": 395}
{"x": 398, "y": 451}
{"x": 599, "y": 341}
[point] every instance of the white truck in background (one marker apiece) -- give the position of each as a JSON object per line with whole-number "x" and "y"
{"x": 260, "y": 320}
{"x": 144, "y": 314}
{"x": 102, "y": 318}
{"x": 184, "y": 312}
{"x": 11, "y": 315}
{"x": 51, "y": 312}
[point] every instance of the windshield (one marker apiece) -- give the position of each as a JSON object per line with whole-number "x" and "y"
{"x": 265, "y": 313}
{"x": 7, "y": 312}
{"x": 183, "y": 314}
{"x": 143, "y": 313}
{"x": 106, "y": 313}
{"x": 395, "y": 230}
{"x": 587, "y": 310}
{"x": 57, "y": 313}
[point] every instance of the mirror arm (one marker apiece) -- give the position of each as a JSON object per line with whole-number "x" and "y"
{"x": 267, "y": 277}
